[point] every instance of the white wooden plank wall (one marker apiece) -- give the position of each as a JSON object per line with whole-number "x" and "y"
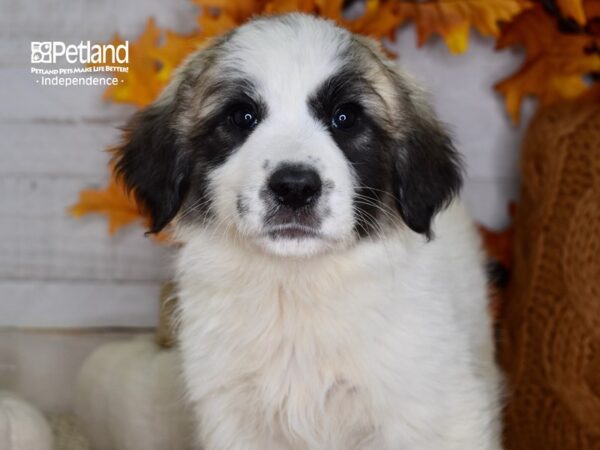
{"x": 58, "y": 271}
{"x": 54, "y": 270}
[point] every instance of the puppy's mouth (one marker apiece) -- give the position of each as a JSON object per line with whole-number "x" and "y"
{"x": 292, "y": 231}
{"x": 286, "y": 223}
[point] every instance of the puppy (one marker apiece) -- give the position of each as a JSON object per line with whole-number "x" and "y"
{"x": 332, "y": 288}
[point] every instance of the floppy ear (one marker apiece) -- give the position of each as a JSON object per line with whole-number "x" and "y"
{"x": 427, "y": 171}
{"x": 153, "y": 164}
{"x": 155, "y": 161}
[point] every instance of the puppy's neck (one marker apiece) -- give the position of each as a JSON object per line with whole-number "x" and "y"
{"x": 218, "y": 258}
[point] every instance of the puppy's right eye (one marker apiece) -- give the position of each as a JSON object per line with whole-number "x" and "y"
{"x": 244, "y": 117}
{"x": 345, "y": 117}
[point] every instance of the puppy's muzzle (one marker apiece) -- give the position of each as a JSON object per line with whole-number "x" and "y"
{"x": 295, "y": 186}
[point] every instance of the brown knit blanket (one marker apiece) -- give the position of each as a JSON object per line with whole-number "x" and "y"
{"x": 550, "y": 340}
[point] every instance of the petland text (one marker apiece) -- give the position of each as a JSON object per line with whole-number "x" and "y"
{"x": 52, "y": 52}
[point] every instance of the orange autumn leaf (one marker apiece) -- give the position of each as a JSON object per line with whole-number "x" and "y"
{"x": 499, "y": 252}
{"x": 452, "y": 19}
{"x": 171, "y": 53}
{"x": 112, "y": 201}
{"x": 237, "y": 11}
{"x": 332, "y": 9}
{"x": 138, "y": 86}
{"x": 286, "y": 6}
{"x": 214, "y": 23}
{"x": 116, "y": 204}
{"x": 380, "y": 19}
{"x": 498, "y": 245}
{"x": 555, "y": 65}
{"x": 152, "y": 59}
{"x": 573, "y": 9}
{"x": 591, "y": 10}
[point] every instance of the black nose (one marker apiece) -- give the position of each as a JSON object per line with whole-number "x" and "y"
{"x": 295, "y": 186}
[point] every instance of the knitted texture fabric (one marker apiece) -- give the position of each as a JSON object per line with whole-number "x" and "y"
{"x": 550, "y": 326}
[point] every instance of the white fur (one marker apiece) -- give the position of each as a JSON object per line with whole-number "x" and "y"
{"x": 387, "y": 342}
{"x": 331, "y": 343}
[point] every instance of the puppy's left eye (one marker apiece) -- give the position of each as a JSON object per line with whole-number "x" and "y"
{"x": 345, "y": 117}
{"x": 244, "y": 117}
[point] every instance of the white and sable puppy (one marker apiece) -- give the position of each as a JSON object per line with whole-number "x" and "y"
{"x": 332, "y": 289}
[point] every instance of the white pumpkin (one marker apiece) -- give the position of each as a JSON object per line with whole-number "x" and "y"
{"x": 130, "y": 397}
{"x": 22, "y": 426}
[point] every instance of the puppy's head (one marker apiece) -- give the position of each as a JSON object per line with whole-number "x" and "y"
{"x": 293, "y": 134}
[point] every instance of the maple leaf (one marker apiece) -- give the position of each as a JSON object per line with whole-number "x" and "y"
{"x": 452, "y": 19}
{"x": 154, "y": 56}
{"x": 216, "y": 22}
{"x": 573, "y": 9}
{"x": 113, "y": 201}
{"x": 498, "y": 247}
{"x": 332, "y": 9}
{"x": 592, "y": 10}
{"x": 172, "y": 52}
{"x": 555, "y": 65}
{"x": 138, "y": 85}
{"x": 152, "y": 59}
{"x": 380, "y": 19}
{"x": 498, "y": 244}
{"x": 237, "y": 11}
{"x": 116, "y": 204}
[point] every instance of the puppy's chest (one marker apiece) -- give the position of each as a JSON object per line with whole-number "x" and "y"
{"x": 292, "y": 353}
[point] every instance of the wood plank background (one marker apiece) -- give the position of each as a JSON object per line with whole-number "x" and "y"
{"x": 58, "y": 271}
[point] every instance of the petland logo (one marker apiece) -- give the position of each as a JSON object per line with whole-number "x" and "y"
{"x": 54, "y": 63}
{"x": 53, "y": 52}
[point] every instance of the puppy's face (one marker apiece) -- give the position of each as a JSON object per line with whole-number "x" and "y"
{"x": 293, "y": 135}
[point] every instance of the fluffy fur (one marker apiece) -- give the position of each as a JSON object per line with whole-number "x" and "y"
{"x": 346, "y": 308}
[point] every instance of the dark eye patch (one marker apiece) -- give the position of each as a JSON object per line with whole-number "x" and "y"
{"x": 226, "y": 128}
{"x": 365, "y": 144}
{"x": 216, "y": 136}
{"x": 339, "y": 103}
{"x": 342, "y": 88}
